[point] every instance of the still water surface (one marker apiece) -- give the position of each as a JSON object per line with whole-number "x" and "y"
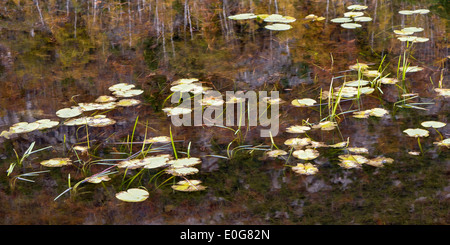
{"x": 57, "y": 54}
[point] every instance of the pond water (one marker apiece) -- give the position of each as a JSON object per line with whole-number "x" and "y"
{"x": 57, "y": 54}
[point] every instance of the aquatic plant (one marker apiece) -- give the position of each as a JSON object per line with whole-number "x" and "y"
{"x": 303, "y": 102}
{"x": 307, "y": 154}
{"x": 297, "y": 129}
{"x": 417, "y": 133}
{"x": 188, "y": 185}
{"x": 56, "y": 162}
{"x": 305, "y": 169}
{"x": 349, "y": 161}
{"x": 133, "y": 195}
{"x": 276, "y": 153}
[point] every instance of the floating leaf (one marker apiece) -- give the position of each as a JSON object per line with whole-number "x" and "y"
{"x": 297, "y": 142}
{"x": 314, "y": 17}
{"x": 403, "y": 32}
{"x": 357, "y": 83}
{"x": 412, "y": 29}
{"x": 278, "y": 27}
{"x": 305, "y": 169}
{"x": 212, "y": 101}
{"x": 23, "y": 127}
{"x": 276, "y": 153}
{"x": 371, "y": 73}
{"x": 358, "y": 150}
{"x": 105, "y": 99}
{"x": 128, "y": 93}
{"x": 133, "y": 195}
{"x": 433, "y": 124}
{"x": 279, "y": 18}
{"x": 303, "y": 102}
{"x": 379, "y": 161}
{"x": 155, "y": 161}
{"x": 411, "y": 69}
{"x": 176, "y": 111}
{"x": 182, "y": 171}
{"x": 443, "y": 91}
{"x": 96, "y": 106}
{"x": 184, "y": 162}
{"x": 416, "y": 132}
{"x": 188, "y": 186}
{"x": 359, "y": 66}
{"x": 244, "y": 16}
{"x": 98, "y": 179}
{"x": 341, "y": 20}
{"x": 307, "y": 154}
{"x": 357, "y": 7}
{"x": 388, "y": 80}
{"x": 128, "y": 102}
{"x": 339, "y": 145}
{"x": 56, "y": 162}
{"x": 185, "y": 81}
{"x": 325, "y": 125}
{"x": 445, "y": 142}
{"x": 157, "y": 139}
{"x": 406, "y": 12}
{"x": 362, "y": 19}
{"x": 69, "y": 112}
{"x": 349, "y": 161}
{"x": 350, "y": 25}
{"x": 121, "y": 87}
{"x": 353, "y": 14}
{"x": 297, "y": 129}
{"x": 421, "y": 11}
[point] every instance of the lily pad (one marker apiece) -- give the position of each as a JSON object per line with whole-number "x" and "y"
{"x": 349, "y": 161}
{"x": 445, "y": 142}
{"x": 98, "y": 179}
{"x": 371, "y": 73}
{"x": 359, "y": 66}
{"x": 341, "y": 20}
{"x": 297, "y": 142}
{"x": 182, "y": 171}
{"x": 353, "y": 14}
{"x": 357, "y": 7}
{"x": 56, "y": 162}
{"x": 244, "y": 16}
{"x": 443, "y": 91}
{"x": 379, "y": 161}
{"x": 303, "y": 102}
{"x": 188, "y": 186}
{"x": 416, "y": 132}
{"x": 69, "y": 112}
{"x": 128, "y": 93}
{"x": 128, "y": 102}
{"x": 362, "y": 19}
{"x": 325, "y": 125}
{"x": 358, "y": 150}
{"x": 388, "y": 80}
{"x": 105, "y": 99}
{"x": 307, "y": 154}
{"x": 133, "y": 195}
{"x": 350, "y": 25}
{"x": 433, "y": 124}
{"x": 357, "y": 83}
{"x": 156, "y": 161}
{"x": 305, "y": 169}
{"x": 157, "y": 139}
{"x": 23, "y": 127}
{"x": 276, "y": 153}
{"x": 279, "y": 19}
{"x": 185, "y": 81}
{"x": 278, "y": 27}
{"x": 46, "y": 123}
{"x": 176, "y": 111}
{"x": 97, "y": 106}
{"x": 297, "y": 129}
{"x": 121, "y": 87}
{"x": 184, "y": 162}
{"x": 212, "y": 101}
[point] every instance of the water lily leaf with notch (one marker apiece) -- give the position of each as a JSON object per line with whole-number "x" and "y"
{"x": 307, "y": 154}
{"x": 188, "y": 186}
{"x": 184, "y": 162}
{"x": 279, "y": 18}
{"x": 98, "y": 179}
{"x": 297, "y": 142}
{"x": 23, "y": 127}
{"x": 133, "y": 195}
{"x": 57, "y": 162}
{"x": 303, "y": 102}
{"x": 413, "y": 39}
{"x": 100, "y": 121}
{"x": 305, "y": 169}
{"x": 46, "y": 123}
{"x": 416, "y": 132}
{"x": 156, "y": 161}
{"x": 412, "y": 29}
{"x": 433, "y": 124}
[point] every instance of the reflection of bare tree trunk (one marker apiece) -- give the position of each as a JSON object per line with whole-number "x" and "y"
{"x": 95, "y": 9}
{"x": 129, "y": 22}
{"x": 75, "y": 22}
{"x": 190, "y": 22}
{"x": 67, "y": 8}
{"x": 36, "y": 2}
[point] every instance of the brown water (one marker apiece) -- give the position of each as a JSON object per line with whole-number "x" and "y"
{"x": 75, "y": 54}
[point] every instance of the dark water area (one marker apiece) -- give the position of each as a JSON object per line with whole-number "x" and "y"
{"x": 56, "y": 54}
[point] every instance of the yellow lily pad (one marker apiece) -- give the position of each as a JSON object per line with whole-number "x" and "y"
{"x": 105, "y": 99}
{"x": 276, "y": 153}
{"x": 128, "y": 102}
{"x": 305, "y": 169}
{"x": 303, "y": 102}
{"x": 57, "y": 162}
{"x": 121, "y": 87}
{"x": 182, "y": 171}
{"x": 188, "y": 186}
{"x": 297, "y": 129}
{"x": 307, "y": 154}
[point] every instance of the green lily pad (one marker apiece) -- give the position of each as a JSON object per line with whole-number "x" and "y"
{"x": 121, "y": 87}
{"x": 279, "y": 19}
{"x": 244, "y": 16}
{"x": 184, "y": 162}
{"x": 128, "y": 102}
{"x": 133, "y": 195}
{"x": 325, "y": 125}
{"x": 362, "y": 19}
{"x": 297, "y": 129}
{"x": 182, "y": 171}
{"x": 276, "y": 153}
{"x": 128, "y": 93}
{"x": 357, "y": 7}
{"x": 341, "y": 20}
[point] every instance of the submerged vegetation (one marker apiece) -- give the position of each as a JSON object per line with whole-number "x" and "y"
{"x": 91, "y": 85}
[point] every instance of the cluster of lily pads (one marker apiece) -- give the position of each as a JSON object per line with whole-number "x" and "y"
{"x": 278, "y": 22}
{"x": 104, "y": 102}
{"x": 351, "y": 18}
{"x": 406, "y": 34}
{"x": 421, "y": 133}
